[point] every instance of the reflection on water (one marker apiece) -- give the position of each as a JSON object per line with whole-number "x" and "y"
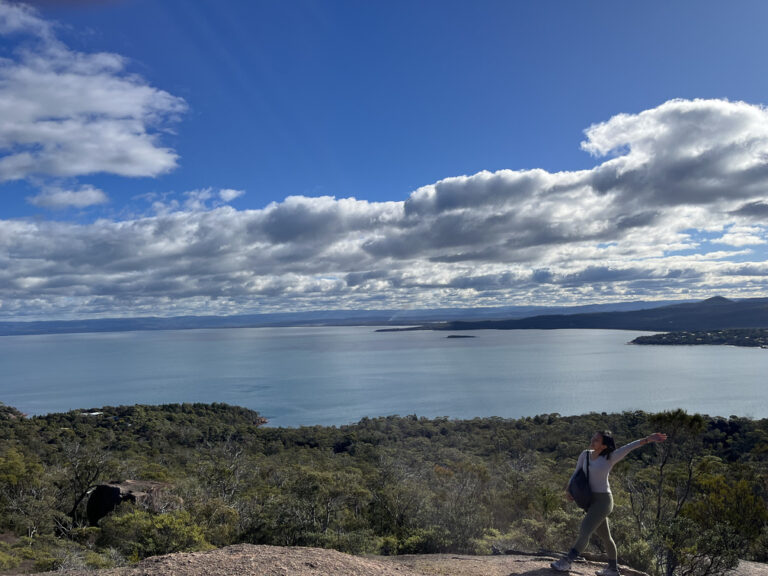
{"x": 306, "y": 376}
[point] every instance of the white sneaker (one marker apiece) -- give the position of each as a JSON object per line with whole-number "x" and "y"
{"x": 562, "y": 565}
{"x": 607, "y": 571}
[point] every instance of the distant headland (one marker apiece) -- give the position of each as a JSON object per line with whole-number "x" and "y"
{"x": 713, "y": 314}
{"x": 717, "y": 313}
{"x": 341, "y": 317}
{"x": 749, "y": 337}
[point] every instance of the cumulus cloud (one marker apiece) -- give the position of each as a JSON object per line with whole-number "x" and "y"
{"x": 683, "y": 152}
{"x": 743, "y": 236}
{"x": 228, "y": 194}
{"x": 67, "y": 114}
{"x": 58, "y": 198}
{"x": 672, "y": 189}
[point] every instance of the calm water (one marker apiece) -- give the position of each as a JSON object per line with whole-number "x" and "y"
{"x": 305, "y": 376}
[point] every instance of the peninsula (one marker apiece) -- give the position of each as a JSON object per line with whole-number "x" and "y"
{"x": 756, "y": 337}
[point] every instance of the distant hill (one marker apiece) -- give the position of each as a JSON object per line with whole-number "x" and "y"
{"x": 312, "y": 318}
{"x": 716, "y": 313}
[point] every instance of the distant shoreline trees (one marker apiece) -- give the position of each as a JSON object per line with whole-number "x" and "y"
{"x": 750, "y": 337}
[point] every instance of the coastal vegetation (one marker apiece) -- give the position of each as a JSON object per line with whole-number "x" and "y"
{"x": 750, "y": 337}
{"x": 389, "y": 485}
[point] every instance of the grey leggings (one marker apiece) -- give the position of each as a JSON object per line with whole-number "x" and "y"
{"x": 596, "y": 520}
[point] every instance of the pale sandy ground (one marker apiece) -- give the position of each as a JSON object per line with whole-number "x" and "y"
{"x": 250, "y": 560}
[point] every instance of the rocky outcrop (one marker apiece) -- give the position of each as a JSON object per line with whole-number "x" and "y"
{"x": 105, "y": 498}
{"x": 251, "y": 560}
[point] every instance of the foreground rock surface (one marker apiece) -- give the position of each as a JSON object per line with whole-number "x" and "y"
{"x": 252, "y": 560}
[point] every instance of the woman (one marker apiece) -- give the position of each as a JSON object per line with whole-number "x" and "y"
{"x": 603, "y": 456}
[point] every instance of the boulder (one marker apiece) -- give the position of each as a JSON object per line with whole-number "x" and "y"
{"x": 104, "y": 498}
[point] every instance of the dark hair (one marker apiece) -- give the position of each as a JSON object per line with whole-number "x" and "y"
{"x": 610, "y": 444}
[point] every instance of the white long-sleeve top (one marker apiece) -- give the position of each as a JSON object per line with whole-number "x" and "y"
{"x": 600, "y": 467}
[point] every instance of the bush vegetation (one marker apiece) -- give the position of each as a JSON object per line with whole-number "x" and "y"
{"x": 390, "y": 485}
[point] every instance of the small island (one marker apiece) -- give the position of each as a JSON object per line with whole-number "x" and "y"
{"x": 459, "y": 336}
{"x": 752, "y": 337}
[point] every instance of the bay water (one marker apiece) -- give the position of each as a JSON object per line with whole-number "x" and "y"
{"x": 338, "y": 375}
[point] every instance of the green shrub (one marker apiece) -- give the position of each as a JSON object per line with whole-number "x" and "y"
{"x": 85, "y": 535}
{"x": 95, "y": 561}
{"x": 45, "y": 563}
{"x": 220, "y": 522}
{"x": 638, "y": 554}
{"x": 39, "y": 551}
{"x": 7, "y": 561}
{"x": 138, "y": 534}
{"x": 426, "y": 541}
{"x": 759, "y": 550}
{"x": 488, "y": 542}
{"x": 533, "y": 534}
{"x": 356, "y": 542}
{"x": 154, "y": 471}
{"x": 388, "y": 546}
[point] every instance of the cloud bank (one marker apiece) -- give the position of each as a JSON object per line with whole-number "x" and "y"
{"x": 675, "y": 206}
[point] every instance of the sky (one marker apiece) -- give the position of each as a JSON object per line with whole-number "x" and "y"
{"x": 168, "y": 157}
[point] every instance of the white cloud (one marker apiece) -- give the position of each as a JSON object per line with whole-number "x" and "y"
{"x": 197, "y": 200}
{"x": 21, "y": 18}
{"x": 683, "y": 152}
{"x": 228, "y": 194}
{"x": 742, "y": 236}
{"x": 200, "y": 200}
{"x": 67, "y": 114}
{"x": 57, "y": 198}
{"x": 636, "y": 226}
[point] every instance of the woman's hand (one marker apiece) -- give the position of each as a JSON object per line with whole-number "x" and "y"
{"x": 656, "y": 437}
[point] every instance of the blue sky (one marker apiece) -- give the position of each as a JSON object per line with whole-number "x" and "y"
{"x": 172, "y": 157}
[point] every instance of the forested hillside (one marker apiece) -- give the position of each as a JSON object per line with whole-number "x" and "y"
{"x": 388, "y": 485}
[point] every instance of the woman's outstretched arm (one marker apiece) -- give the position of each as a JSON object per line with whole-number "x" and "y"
{"x": 619, "y": 453}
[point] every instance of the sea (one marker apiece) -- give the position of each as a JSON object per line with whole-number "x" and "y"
{"x": 331, "y": 376}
